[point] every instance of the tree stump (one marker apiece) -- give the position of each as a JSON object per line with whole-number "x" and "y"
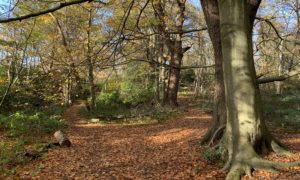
{"x": 62, "y": 139}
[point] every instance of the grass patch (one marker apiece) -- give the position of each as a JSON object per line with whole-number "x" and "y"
{"x": 164, "y": 113}
{"x": 11, "y": 155}
{"x": 27, "y": 129}
{"x": 32, "y": 123}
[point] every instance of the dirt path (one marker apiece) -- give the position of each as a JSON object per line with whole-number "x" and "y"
{"x": 159, "y": 151}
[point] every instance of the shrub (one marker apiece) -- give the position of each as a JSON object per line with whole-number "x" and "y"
{"x": 109, "y": 99}
{"x": 29, "y": 124}
{"x": 108, "y": 104}
{"x": 133, "y": 93}
{"x": 11, "y": 155}
{"x": 214, "y": 155}
{"x": 163, "y": 113}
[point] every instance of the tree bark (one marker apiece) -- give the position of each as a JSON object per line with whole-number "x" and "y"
{"x": 278, "y": 84}
{"x": 246, "y": 134}
{"x": 175, "y": 49}
{"x": 177, "y": 54}
{"x": 91, "y": 63}
{"x": 212, "y": 17}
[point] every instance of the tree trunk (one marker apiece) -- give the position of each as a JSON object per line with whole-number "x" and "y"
{"x": 246, "y": 134}
{"x": 211, "y": 13}
{"x": 278, "y": 84}
{"x": 175, "y": 49}
{"x": 166, "y": 86}
{"x": 91, "y": 64}
{"x": 177, "y": 52}
{"x": 175, "y": 76}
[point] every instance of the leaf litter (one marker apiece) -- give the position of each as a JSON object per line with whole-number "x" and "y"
{"x": 168, "y": 150}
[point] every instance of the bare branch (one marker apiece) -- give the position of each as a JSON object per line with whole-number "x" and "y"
{"x": 279, "y": 78}
{"x": 60, "y": 6}
{"x": 272, "y": 25}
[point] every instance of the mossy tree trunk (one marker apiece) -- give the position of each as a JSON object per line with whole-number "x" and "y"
{"x": 246, "y": 134}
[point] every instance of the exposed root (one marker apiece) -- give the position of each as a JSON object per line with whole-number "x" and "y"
{"x": 278, "y": 148}
{"x": 235, "y": 172}
{"x": 239, "y": 168}
{"x": 258, "y": 163}
{"x": 227, "y": 164}
{"x": 215, "y": 135}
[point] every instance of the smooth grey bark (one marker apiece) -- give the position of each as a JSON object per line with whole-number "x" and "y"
{"x": 278, "y": 84}
{"x": 246, "y": 134}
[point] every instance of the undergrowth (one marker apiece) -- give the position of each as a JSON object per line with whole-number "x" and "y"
{"x": 214, "y": 155}
{"x": 11, "y": 155}
{"x": 26, "y": 128}
{"x": 284, "y": 109}
{"x": 30, "y": 123}
{"x": 112, "y": 108}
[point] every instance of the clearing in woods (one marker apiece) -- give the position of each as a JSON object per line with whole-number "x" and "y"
{"x": 168, "y": 150}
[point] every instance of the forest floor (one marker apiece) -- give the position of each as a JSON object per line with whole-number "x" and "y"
{"x": 168, "y": 150}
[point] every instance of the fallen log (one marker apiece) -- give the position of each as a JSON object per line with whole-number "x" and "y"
{"x": 33, "y": 154}
{"x": 62, "y": 139}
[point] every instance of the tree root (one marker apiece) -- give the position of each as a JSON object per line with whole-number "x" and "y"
{"x": 239, "y": 168}
{"x": 258, "y": 163}
{"x": 215, "y": 135}
{"x": 279, "y": 148}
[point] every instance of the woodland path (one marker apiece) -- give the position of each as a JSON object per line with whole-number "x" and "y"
{"x": 168, "y": 150}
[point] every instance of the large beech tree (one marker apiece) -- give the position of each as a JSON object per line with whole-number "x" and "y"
{"x": 246, "y": 134}
{"x": 212, "y": 17}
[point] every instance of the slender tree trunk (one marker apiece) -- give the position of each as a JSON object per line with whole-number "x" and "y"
{"x": 92, "y": 84}
{"x": 298, "y": 22}
{"x": 161, "y": 70}
{"x": 278, "y": 84}
{"x": 67, "y": 87}
{"x": 211, "y": 12}
{"x": 11, "y": 76}
{"x": 166, "y": 86}
{"x": 91, "y": 63}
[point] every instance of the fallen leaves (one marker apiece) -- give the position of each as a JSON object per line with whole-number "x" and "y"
{"x": 156, "y": 151}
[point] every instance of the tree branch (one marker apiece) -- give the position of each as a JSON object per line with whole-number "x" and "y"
{"x": 160, "y": 64}
{"x": 279, "y": 78}
{"x": 272, "y": 25}
{"x": 35, "y": 14}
